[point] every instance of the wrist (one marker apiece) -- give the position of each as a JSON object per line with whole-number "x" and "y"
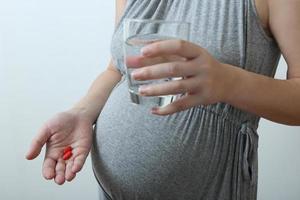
{"x": 234, "y": 81}
{"x": 89, "y": 108}
{"x": 83, "y": 113}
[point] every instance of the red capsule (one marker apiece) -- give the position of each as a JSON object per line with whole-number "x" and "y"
{"x": 68, "y": 148}
{"x": 67, "y": 155}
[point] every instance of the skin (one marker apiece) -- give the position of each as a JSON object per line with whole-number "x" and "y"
{"x": 206, "y": 81}
{"x": 74, "y": 127}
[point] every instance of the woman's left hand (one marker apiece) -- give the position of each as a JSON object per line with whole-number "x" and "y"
{"x": 206, "y": 80}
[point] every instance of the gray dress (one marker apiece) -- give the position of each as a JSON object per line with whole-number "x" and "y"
{"x": 205, "y": 152}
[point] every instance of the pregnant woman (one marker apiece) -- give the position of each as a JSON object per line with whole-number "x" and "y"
{"x": 203, "y": 145}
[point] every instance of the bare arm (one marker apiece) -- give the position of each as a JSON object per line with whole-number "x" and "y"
{"x": 276, "y": 100}
{"x": 92, "y": 103}
{"x": 209, "y": 81}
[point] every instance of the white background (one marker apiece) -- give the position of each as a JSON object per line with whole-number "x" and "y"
{"x": 50, "y": 52}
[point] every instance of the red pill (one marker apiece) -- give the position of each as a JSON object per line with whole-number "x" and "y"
{"x": 69, "y": 148}
{"x": 67, "y": 155}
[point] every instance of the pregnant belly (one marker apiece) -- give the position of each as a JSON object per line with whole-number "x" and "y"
{"x": 138, "y": 155}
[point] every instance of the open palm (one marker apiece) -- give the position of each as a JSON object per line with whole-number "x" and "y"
{"x": 64, "y": 129}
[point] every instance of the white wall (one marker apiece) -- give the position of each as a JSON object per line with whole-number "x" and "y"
{"x": 50, "y": 52}
{"x": 279, "y": 160}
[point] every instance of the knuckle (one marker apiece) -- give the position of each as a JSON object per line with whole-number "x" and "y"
{"x": 179, "y": 86}
{"x": 146, "y": 73}
{"x": 180, "y": 106}
{"x": 156, "y": 46}
{"x": 173, "y": 69}
{"x": 179, "y": 45}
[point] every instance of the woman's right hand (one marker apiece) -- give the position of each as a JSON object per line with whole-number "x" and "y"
{"x": 69, "y": 128}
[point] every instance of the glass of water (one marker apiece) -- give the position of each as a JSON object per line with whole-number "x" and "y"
{"x": 137, "y": 34}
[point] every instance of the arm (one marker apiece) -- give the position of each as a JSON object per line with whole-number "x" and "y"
{"x": 92, "y": 103}
{"x": 207, "y": 81}
{"x": 73, "y": 128}
{"x": 276, "y": 100}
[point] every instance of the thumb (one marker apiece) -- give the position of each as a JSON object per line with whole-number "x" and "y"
{"x": 38, "y": 142}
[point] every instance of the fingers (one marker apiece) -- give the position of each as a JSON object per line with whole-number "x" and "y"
{"x": 141, "y": 61}
{"x": 172, "y": 69}
{"x": 49, "y": 168}
{"x": 60, "y": 172}
{"x": 78, "y": 163}
{"x": 38, "y": 142}
{"x": 180, "y": 104}
{"x": 182, "y": 86}
{"x": 167, "y": 47}
{"x": 69, "y": 176}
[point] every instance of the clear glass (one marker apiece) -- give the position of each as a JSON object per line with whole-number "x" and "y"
{"x": 137, "y": 34}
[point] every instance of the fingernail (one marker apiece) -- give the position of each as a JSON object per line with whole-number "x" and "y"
{"x": 145, "y": 51}
{"x": 154, "y": 109}
{"x": 135, "y": 74}
{"x": 143, "y": 89}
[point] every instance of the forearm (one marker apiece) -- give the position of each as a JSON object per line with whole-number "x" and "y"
{"x": 273, "y": 99}
{"x": 92, "y": 103}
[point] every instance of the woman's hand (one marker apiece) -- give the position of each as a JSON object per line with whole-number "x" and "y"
{"x": 69, "y": 128}
{"x": 205, "y": 80}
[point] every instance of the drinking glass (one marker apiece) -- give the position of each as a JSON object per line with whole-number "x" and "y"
{"x": 137, "y": 34}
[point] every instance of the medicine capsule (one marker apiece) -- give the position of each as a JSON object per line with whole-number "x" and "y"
{"x": 68, "y": 148}
{"x": 67, "y": 155}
